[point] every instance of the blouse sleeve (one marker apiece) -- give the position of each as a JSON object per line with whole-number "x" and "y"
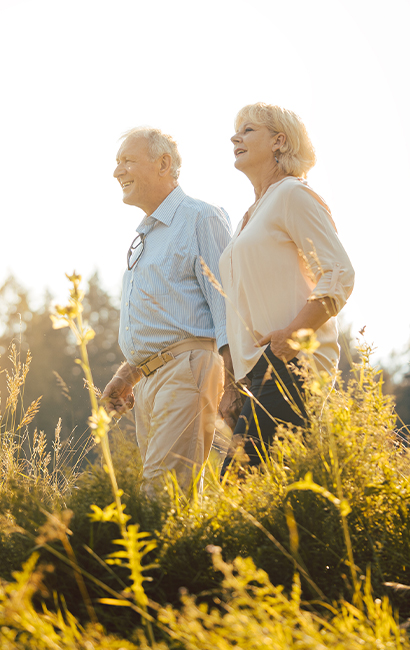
{"x": 311, "y": 227}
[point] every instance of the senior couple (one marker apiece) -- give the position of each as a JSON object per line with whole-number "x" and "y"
{"x": 284, "y": 269}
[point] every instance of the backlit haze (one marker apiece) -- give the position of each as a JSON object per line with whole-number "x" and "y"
{"x": 76, "y": 74}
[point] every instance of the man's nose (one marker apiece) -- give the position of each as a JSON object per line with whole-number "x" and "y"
{"x": 117, "y": 171}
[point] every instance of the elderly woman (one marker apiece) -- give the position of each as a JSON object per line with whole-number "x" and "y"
{"x": 285, "y": 269}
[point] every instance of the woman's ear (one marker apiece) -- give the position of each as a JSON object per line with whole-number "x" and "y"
{"x": 278, "y": 142}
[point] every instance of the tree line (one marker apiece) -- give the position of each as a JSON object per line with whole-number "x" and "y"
{"x": 54, "y": 375}
{"x": 59, "y": 381}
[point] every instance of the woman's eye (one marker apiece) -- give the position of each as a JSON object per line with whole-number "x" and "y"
{"x": 248, "y": 129}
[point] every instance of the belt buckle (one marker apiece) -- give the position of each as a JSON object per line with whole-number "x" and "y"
{"x": 145, "y": 370}
{"x": 162, "y": 357}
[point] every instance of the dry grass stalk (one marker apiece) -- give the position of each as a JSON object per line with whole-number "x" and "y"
{"x": 16, "y": 379}
{"x": 212, "y": 279}
{"x": 32, "y": 410}
{"x": 89, "y": 386}
{"x": 61, "y": 384}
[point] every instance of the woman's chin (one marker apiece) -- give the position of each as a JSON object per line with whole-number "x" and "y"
{"x": 239, "y": 164}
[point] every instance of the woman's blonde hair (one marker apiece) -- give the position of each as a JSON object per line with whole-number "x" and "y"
{"x": 297, "y": 155}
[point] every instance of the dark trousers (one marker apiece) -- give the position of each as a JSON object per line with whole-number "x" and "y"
{"x": 266, "y": 391}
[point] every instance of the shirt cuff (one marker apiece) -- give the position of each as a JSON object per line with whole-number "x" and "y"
{"x": 221, "y": 337}
{"x": 336, "y": 284}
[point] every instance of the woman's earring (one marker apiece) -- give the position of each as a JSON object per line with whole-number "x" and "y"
{"x": 276, "y": 158}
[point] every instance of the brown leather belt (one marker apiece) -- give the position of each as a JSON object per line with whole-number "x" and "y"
{"x": 167, "y": 354}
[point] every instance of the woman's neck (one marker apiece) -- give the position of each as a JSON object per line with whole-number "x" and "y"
{"x": 266, "y": 179}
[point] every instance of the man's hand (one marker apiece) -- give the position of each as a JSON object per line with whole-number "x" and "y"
{"x": 232, "y": 401}
{"x": 278, "y": 344}
{"x": 231, "y": 405}
{"x": 118, "y": 396}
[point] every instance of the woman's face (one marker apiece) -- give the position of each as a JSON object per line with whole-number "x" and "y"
{"x": 253, "y": 146}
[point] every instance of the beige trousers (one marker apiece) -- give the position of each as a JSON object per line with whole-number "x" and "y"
{"x": 175, "y": 409}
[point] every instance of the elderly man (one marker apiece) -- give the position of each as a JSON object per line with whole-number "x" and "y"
{"x": 172, "y": 322}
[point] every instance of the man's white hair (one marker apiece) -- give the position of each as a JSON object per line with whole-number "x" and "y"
{"x": 158, "y": 144}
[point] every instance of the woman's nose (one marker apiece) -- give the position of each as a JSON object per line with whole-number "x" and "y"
{"x": 235, "y": 138}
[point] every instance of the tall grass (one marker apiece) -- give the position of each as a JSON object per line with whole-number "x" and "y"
{"x": 311, "y": 550}
{"x": 26, "y": 457}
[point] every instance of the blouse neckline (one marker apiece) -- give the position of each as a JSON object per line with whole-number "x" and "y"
{"x": 258, "y": 203}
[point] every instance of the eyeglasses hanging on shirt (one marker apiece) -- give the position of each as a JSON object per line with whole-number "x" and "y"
{"x": 135, "y": 250}
{"x": 137, "y": 247}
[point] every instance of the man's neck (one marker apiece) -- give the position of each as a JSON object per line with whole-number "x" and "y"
{"x": 155, "y": 201}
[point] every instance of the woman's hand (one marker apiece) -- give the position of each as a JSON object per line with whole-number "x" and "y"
{"x": 278, "y": 344}
{"x": 313, "y": 315}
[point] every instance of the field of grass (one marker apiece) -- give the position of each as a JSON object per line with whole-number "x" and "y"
{"x": 311, "y": 551}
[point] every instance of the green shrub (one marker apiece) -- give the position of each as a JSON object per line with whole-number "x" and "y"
{"x": 251, "y": 614}
{"x": 23, "y": 627}
{"x": 329, "y": 505}
{"x": 354, "y": 463}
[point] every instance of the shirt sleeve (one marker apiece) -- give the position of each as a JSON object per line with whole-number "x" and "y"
{"x": 311, "y": 227}
{"x": 213, "y": 235}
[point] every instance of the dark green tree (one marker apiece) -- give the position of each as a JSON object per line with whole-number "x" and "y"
{"x": 53, "y": 374}
{"x": 402, "y": 396}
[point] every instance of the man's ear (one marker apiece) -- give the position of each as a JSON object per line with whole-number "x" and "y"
{"x": 165, "y": 164}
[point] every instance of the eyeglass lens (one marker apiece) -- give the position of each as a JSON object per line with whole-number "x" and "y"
{"x": 135, "y": 251}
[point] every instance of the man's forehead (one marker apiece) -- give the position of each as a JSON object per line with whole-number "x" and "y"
{"x": 133, "y": 144}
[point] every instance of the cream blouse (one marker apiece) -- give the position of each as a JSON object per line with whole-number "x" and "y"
{"x": 287, "y": 253}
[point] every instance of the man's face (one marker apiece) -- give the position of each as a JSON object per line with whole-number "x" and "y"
{"x": 135, "y": 172}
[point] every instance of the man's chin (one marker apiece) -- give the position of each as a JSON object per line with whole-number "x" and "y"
{"x": 127, "y": 198}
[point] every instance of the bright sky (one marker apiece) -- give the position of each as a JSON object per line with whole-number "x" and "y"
{"x": 77, "y": 73}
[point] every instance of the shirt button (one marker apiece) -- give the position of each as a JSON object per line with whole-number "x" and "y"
{"x": 126, "y": 304}
{"x": 132, "y": 351}
{"x": 127, "y": 329}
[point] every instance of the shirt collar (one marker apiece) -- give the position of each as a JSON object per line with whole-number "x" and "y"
{"x": 166, "y": 211}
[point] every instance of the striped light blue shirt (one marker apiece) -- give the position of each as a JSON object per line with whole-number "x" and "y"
{"x": 165, "y": 297}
